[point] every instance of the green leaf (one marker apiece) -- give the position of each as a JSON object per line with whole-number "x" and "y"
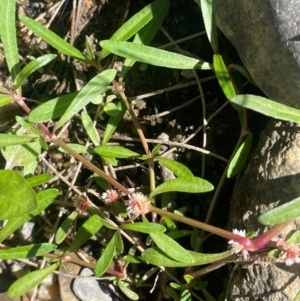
{"x": 131, "y": 27}
{"x": 188, "y": 184}
{"x": 90, "y": 128}
{"x": 26, "y": 283}
{"x": 85, "y": 232}
{"x": 127, "y": 291}
{"x": 28, "y": 126}
{"x": 9, "y": 139}
{"x": 155, "y": 150}
{"x": 111, "y": 161}
{"x": 179, "y": 233}
{"x": 22, "y": 154}
{"x": 157, "y": 257}
{"x": 9, "y": 36}
{"x": 44, "y": 199}
{"x": 293, "y": 238}
{"x": 43, "y": 143}
{"x": 111, "y": 109}
{"x": 239, "y": 160}
{"x": 119, "y": 242}
{"x": 78, "y": 148}
{"x": 223, "y": 76}
{"x": 88, "y": 48}
{"x": 267, "y": 107}
{"x": 159, "y": 10}
{"x": 281, "y": 214}
{"x": 172, "y": 248}
{"x": 16, "y": 195}
{"x": 52, "y": 109}
{"x": 113, "y": 151}
{"x": 144, "y": 227}
{"x": 153, "y": 56}
{"x": 113, "y": 122}
{"x": 133, "y": 259}
{"x": 95, "y": 86}
{"x": 208, "y": 15}
{"x": 38, "y": 180}
{"x": 27, "y": 251}
{"x": 31, "y": 67}
{"x": 5, "y": 99}
{"x": 106, "y": 258}
{"x": 52, "y": 39}
{"x": 63, "y": 230}
{"x": 177, "y": 168}
{"x": 101, "y": 182}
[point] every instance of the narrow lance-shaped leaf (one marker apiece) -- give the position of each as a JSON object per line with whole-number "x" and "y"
{"x": 223, "y": 76}
{"x": 5, "y": 99}
{"x": 131, "y": 27}
{"x": 177, "y": 168}
{"x": 27, "y": 251}
{"x": 31, "y": 67}
{"x": 119, "y": 242}
{"x": 106, "y": 258}
{"x": 7, "y": 139}
{"x": 35, "y": 181}
{"x": 187, "y": 184}
{"x": 52, "y": 108}
{"x": 44, "y": 199}
{"x": 78, "y": 148}
{"x": 63, "y": 230}
{"x": 26, "y": 283}
{"x": 144, "y": 227}
{"x": 115, "y": 151}
{"x": 172, "y": 248}
{"x": 239, "y": 160}
{"x": 9, "y": 36}
{"x": 85, "y": 232}
{"x": 90, "y": 128}
{"x": 113, "y": 122}
{"x": 267, "y": 107}
{"x": 153, "y": 56}
{"x": 16, "y": 196}
{"x": 208, "y": 15}
{"x": 159, "y": 10}
{"x": 158, "y": 257}
{"x": 127, "y": 291}
{"x": 282, "y": 213}
{"x": 52, "y": 39}
{"x": 95, "y": 86}
{"x": 27, "y": 125}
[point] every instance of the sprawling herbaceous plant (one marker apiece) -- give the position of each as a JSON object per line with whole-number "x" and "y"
{"x": 126, "y": 214}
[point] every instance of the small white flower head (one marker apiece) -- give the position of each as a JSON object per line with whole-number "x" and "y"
{"x": 109, "y": 197}
{"x": 290, "y": 253}
{"x": 237, "y": 247}
{"x": 138, "y": 204}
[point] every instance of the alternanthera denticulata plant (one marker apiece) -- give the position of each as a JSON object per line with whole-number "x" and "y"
{"x": 32, "y": 133}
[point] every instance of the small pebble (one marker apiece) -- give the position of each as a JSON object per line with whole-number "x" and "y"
{"x": 87, "y": 289}
{"x": 49, "y": 293}
{"x": 26, "y": 230}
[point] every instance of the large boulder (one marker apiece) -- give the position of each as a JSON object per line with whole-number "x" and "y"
{"x": 266, "y": 35}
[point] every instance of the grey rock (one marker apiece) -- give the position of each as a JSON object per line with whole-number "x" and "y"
{"x": 266, "y": 35}
{"x": 88, "y": 289}
{"x": 26, "y": 231}
{"x": 271, "y": 179}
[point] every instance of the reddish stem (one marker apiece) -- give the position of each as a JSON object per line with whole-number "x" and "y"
{"x": 261, "y": 241}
